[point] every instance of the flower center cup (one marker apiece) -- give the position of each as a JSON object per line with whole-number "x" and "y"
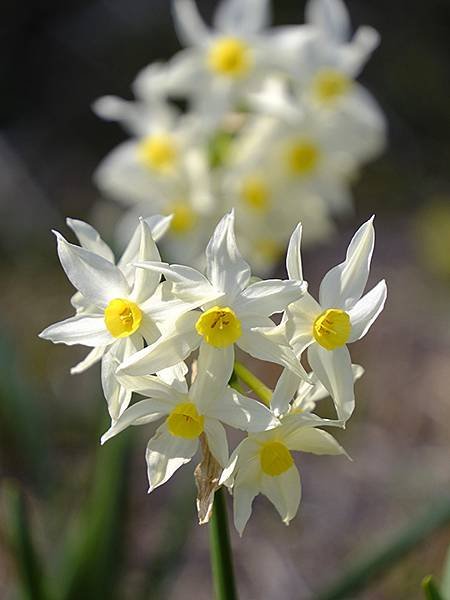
{"x": 184, "y": 218}
{"x": 122, "y": 317}
{"x": 255, "y": 193}
{"x": 275, "y": 458}
{"x": 329, "y": 85}
{"x": 219, "y": 326}
{"x": 158, "y": 152}
{"x": 332, "y": 328}
{"x": 185, "y": 422}
{"x": 302, "y": 157}
{"x": 229, "y": 56}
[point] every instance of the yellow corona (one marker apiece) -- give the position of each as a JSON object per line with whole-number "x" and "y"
{"x": 184, "y": 421}
{"x": 122, "y": 317}
{"x": 275, "y": 458}
{"x": 332, "y": 328}
{"x": 219, "y": 326}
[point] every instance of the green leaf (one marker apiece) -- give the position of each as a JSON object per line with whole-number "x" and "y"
{"x": 31, "y": 577}
{"x": 93, "y": 557}
{"x": 430, "y": 589}
{"x": 445, "y": 585}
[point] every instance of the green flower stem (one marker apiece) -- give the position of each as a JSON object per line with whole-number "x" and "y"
{"x": 388, "y": 554}
{"x": 221, "y": 557}
{"x": 430, "y": 589}
{"x": 255, "y": 384}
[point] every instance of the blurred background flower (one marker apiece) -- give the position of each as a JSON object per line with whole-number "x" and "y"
{"x": 57, "y": 60}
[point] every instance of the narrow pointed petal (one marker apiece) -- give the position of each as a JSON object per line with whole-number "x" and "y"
{"x": 152, "y": 386}
{"x": 165, "y": 454}
{"x": 145, "y": 411}
{"x": 214, "y": 370}
{"x": 87, "y": 330}
{"x": 243, "y": 496}
{"x": 294, "y": 256}
{"x": 236, "y": 17}
{"x": 217, "y": 441}
{"x": 191, "y": 29}
{"x": 93, "y": 357}
{"x": 90, "y": 239}
{"x": 95, "y": 277}
{"x": 264, "y": 298}
{"x": 330, "y": 17}
{"x": 316, "y": 441}
{"x": 241, "y": 412}
{"x": 300, "y": 317}
{"x": 225, "y": 267}
{"x": 171, "y": 348}
{"x": 284, "y": 491}
{"x": 266, "y": 343}
{"x": 343, "y": 285}
{"x": 284, "y": 391}
{"x": 145, "y": 282}
{"x": 334, "y": 370}
{"x": 366, "y": 310}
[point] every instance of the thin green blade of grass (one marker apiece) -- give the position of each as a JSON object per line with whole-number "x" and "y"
{"x": 430, "y": 589}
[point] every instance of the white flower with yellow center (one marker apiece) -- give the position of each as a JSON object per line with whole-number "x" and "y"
{"x": 188, "y": 414}
{"x": 342, "y": 315}
{"x": 263, "y": 463}
{"x": 221, "y": 64}
{"x": 293, "y": 395}
{"x": 233, "y": 312}
{"x": 120, "y": 316}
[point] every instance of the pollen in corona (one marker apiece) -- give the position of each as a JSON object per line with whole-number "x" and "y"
{"x": 158, "y": 152}
{"x": 219, "y": 326}
{"x": 229, "y": 56}
{"x": 302, "y": 157}
{"x": 184, "y": 421}
{"x": 122, "y": 317}
{"x": 275, "y": 458}
{"x": 329, "y": 85}
{"x": 332, "y": 328}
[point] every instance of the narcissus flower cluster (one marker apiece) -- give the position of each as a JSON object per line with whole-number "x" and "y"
{"x": 276, "y": 126}
{"x": 169, "y": 333}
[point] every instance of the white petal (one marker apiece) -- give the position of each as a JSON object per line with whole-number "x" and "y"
{"x": 294, "y": 256}
{"x": 266, "y": 343}
{"x": 316, "y": 441}
{"x": 366, "y": 310}
{"x": 93, "y": 357}
{"x": 241, "y": 412}
{"x": 358, "y": 51}
{"x": 171, "y": 348}
{"x": 214, "y": 370}
{"x": 95, "y": 277}
{"x": 117, "y": 396}
{"x": 87, "y": 330}
{"x": 284, "y": 491}
{"x": 299, "y": 321}
{"x": 159, "y": 225}
{"x": 236, "y": 17}
{"x": 145, "y": 282}
{"x": 145, "y": 411}
{"x": 264, "y": 298}
{"x": 225, "y": 267}
{"x": 191, "y": 29}
{"x": 153, "y": 387}
{"x": 284, "y": 391}
{"x": 343, "y": 285}
{"x": 175, "y": 377}
{"x": 243, "y": 496}
{"x": 90, "y": 239}
{"x": 330, "y": 17}
{"x": 217, "y": 441}
{"x": 334, "y": 369}
{"x": 165, "y": 454}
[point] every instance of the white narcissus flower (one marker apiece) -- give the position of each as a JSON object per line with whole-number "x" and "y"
{"x": 221, "y": 64}
{"x": 342, "y": 315}
{"x": 189, "y": 414}
{"x": 293, "y": 395}
{"x": 233, "y": 312}
{"x": 120, "y": 316}
{"x": 263, "y": 463}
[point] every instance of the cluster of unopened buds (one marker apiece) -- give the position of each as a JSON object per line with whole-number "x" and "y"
{"x": 274, "y": 124}
{"x": 143, "y": 318}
